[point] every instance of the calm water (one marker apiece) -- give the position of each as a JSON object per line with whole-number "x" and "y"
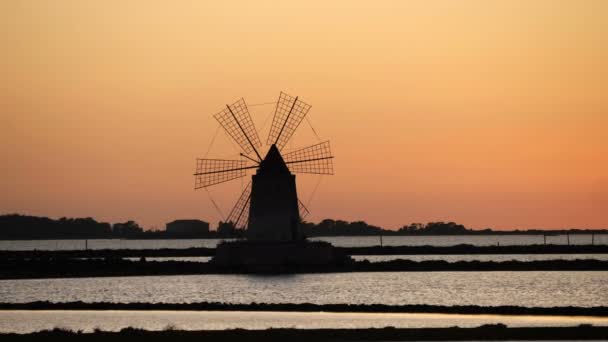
{"x": 481, "y": 257}
{"x": 28, "y": 321}
{"x": 193, "y": 259}
{"x": 342, "y": 241}
{"x": 477, "y": 240}
{"x": 542, "y": 289}
{"x": 54, "y": 245}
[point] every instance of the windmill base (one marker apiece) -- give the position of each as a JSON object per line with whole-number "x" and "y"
{"x": 279, "y": 256}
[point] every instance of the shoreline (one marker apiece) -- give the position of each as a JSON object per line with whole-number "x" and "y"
{"x": 370, "y": 250}
{"x": 79, "y": 268}
{"x": 598, "y": 311}
{"x": 483, "y": 333}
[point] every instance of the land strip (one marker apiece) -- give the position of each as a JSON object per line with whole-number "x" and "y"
{"x": 598, "y": 311}
{"x": 68, "y": 268}
{"x": 373, "y": 250}
{"x": 496, "y": 332}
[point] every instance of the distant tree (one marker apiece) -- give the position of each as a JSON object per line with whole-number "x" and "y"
{"x": 443, "y": 228}
{"x": 16, "y": 226}
{"x": 362, "y": 228}
{"x": 326, "y": 225}
{"x": 127, "y": 229}
{"x": 340, "y": 225}
{"x": 306, "y": 228}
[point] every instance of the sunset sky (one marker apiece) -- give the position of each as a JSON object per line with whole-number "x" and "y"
{"x": 486, "y": 113}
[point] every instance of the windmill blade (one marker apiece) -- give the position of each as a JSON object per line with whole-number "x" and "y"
{"x": 215, "y": 171}
{"x": 287, "y": 117}
{"x": 312, "y": 159}
{"x": 239, "y": 215}
{"x": 302, "y": 209}
{"x": 236, "y": 120}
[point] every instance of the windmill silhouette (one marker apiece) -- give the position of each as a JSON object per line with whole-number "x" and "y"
{"x": 268, "y": 208}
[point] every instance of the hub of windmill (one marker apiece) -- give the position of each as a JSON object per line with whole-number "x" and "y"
{"x": 269, "y": 209}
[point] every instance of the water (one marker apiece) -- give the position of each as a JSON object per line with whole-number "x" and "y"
{"x": 29, "y": 321}
{"x": 452, "y": 240}
{"x": 542, "y": 289}
{"x": 59, "y": 245}
{"x": 482, "y": 257}
{"x": 341, "y": 241}
{"x": 190, "y": 259}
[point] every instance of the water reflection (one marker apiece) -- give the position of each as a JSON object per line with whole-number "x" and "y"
{"x": 557, "y": 288}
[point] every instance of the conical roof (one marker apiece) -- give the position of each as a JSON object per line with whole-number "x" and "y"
{"x": 273, "y": 163}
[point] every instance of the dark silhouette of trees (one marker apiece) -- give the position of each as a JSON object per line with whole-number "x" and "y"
{"x": 15, "y": 227}
{"x": 127, "y": 229}
{"x": 27, "y": 227}
{"x": 23, "y": 227}
{"x": 434, "y": 228}
{"x": 329, "y": 227}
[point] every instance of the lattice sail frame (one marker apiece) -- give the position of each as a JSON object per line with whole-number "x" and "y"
{"x": 312, "y": 159}
{"x": 302, "y": 209}
{"x": 236, "y": 120}
{"x": 215, "y": 171}
{"x": 239, "y": 215}
{"x": 288, "y": 115}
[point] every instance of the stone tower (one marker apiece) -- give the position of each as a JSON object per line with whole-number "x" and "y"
{"x": 273, "y": 209}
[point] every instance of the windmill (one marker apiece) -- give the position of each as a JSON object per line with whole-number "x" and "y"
{"x": 268, "y": 208}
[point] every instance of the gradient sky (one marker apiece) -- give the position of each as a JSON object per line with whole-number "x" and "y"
{"x": 487, "y": 113}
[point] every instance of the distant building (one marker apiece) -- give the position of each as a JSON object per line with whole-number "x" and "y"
{"x": 187, "y": 227}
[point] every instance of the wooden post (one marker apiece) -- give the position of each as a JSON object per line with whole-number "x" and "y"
{"x": 545, "y": 239}
{"x": 86, "y": 244}
{"x": 568, "y": 237}
{"x": 381, "y": 245}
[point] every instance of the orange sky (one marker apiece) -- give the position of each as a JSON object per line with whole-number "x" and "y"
{"x": 487, "y": 113}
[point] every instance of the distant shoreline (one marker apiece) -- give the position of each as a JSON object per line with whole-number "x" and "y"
{"x": 495, "y": 332}
{"x": 598, "y": 311}
{"x": 25, "y": 227}
{"x": 372, "y": 250}
{"x": 76, "y": 268}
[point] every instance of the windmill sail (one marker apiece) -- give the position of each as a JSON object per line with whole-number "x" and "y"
{"x": 271, "y": 196}
{"x": 239, "y": 215}
{"x": 236, "y": 120}
{"x": 215, "y": 171}
{"x": 312, "y": 159}
{"x": 287, "y": 117}
{"x": 302, "y": 209}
